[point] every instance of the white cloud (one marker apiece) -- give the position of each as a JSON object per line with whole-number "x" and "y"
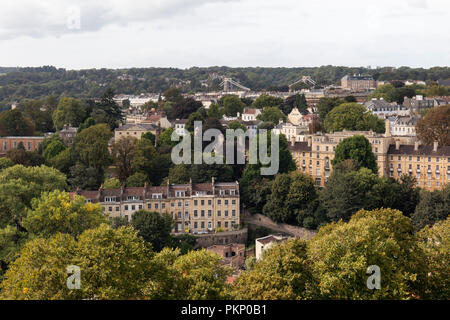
{"x": 182, "y": 33}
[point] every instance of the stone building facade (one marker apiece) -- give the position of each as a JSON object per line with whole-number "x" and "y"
{"x": 195, "y": 208}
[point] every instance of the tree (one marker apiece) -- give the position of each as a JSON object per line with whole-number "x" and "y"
{"x": 271, "y": 114}
{"x": 352, "y": 116}
{"x": 180, "y": 173}
{"x": 197, "y": 275}
{"x": 112, "y": 183}
{"x": 137, "y": 179}
{"x": 173, "y": 95}
{"x": 183, "y": 108}
{"x": 193, "y": 117}
{"x": 26, "y": 158}
{"x": 41, "y": 117}
{"x": 165, "y": 138}
{"x": 122, "y": 153}
{"x": 53, "y": 149}
{"x": 55, "y": 212}
{"x": 91, "y": 146}
{"x": 275, "y": 207}
{"x": 342, "y": 252}
{"x": 435, "y": 242}
{"x": 434, "y": 126}
{"x": 5, "y": 163}
{"x": 350, "y": 99}
{"x": 215, "y": 111}
{"x": 69, "y": 111}
{"x": 266, "y": 100}
{"x": 346, "y": 193}
{"x": 432, "y": 207}
{"x": 147, "y": 161}
{"x": 325, "y": 105}
{"x": 358, "y": 149}
{"x": 235, "y": 125}
{"x": 106, "y": 110}
{"x": 13, "y": 123}
{"x": 283, "y": 273}
{"x": 84, "y": 177}
{"x": 385, "y": 91}
{"x": 232, "y": 105}
{"x": 150, "y": 136}
{"x": 19, "y": 185}
{"x": 153, "y": 227}
{"x": 108, "y": 258}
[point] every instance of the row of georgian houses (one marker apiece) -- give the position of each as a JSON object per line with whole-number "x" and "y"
{"x": 395, "y": 155}
{"x": 195, "y": 208}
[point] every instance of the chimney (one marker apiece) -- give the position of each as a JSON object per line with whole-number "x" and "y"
{"x": 397, "y": 145}
{"x": 212, "y": 185}
{"x": 292, "y": 141}
{"x": 388, "y": 128}
{"x": 435, "y": 146}
{"x": 309, "y": 141}
{"x": 416, "y": 146}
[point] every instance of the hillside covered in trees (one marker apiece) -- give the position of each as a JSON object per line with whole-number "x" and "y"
{"x": 17, "y": 84}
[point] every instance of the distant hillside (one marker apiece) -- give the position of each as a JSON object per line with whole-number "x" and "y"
{"x": 36, "y": 83}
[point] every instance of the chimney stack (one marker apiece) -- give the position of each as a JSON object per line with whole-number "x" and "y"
{"x": 435, "y": 146}
{"x": 397, "y": 145}
{"x": 309, "y": 141}
{"x": 416, "y": 146}
{"x": 292, "y": 141}
{"x": 387, "y": 128}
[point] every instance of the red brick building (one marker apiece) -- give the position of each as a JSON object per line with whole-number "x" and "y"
{"x": 29, "y": 143}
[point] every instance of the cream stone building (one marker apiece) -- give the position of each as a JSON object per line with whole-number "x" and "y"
{"x": 395, "y": 155}
{"x": 195, "y": 208}
{"x": 134, "y": 130}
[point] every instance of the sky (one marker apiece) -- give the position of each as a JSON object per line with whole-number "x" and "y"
{"x": 236, "y": 33}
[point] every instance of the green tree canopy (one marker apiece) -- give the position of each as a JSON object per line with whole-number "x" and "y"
{"x": 358, "y": 149}
{"x": 354, "y": 117}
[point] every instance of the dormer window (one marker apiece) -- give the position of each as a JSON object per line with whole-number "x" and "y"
{"x": 156, "y": 195}
{"x": 133, "y": 198}
{"x": 233, "y": 192}
{"x": 200, "y": 193}
{"x": 179, "y": 193}
{"x": 110, "y": 199}
{"x": 222, "y": 192}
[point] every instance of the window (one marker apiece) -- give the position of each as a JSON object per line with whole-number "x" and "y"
{"x": 133, "y": 198}
{"x": 140, "y": 206}
{"x": 133, "y": 207}
{"x": 156, "y": 195}
{"x": 232, "y": 192}
{"x": 110, "y": 209}
{"x": 195, "y": 202}
{"x": 233, "y": 213}
{"x": 179, "y": 214}
{"x": 195, "y": 225}
{"x": 209, "y": 202}
{"x": 203, "y": 225}
{"x": 203, "y": 213}
{"x": 163, "y": 205}
{"x": 149, "y": 206}
{"x": 180, "y": 204}
{"x": 219, "y": 202}
{"x": 219, "y": 224}
{"x": 110, "y": 199}
{"x": 186, "y": 204}
{"x": 172, "y": 204}
{"x": 226, "y": 224}
{"x": 209, "y": 213}
{"x": 117, "y": 208}
{"x": 195, "y": 213}
{"x": 226, "y": 213}
{"x": 233, "y": 201}
{"x": 126, "y": 207}
{"x": 202, "y": 202}
{"x": 222, "y": 192}
{"x": 209, "y": 224}
{"x": 226, "y": 202}
{"x": 219, "y": 213}
{"x": 179, "y": 193}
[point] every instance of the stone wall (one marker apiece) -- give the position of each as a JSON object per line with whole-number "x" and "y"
{"x": 210, "y": 239}
{"x": 259, "y": 220}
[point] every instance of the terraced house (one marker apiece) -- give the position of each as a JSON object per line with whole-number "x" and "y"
{"x": 395, "y": 155}
{"x": 195, "y": 208}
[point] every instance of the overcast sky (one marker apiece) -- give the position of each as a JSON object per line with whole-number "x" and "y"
{"x": 186, "y": 33}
